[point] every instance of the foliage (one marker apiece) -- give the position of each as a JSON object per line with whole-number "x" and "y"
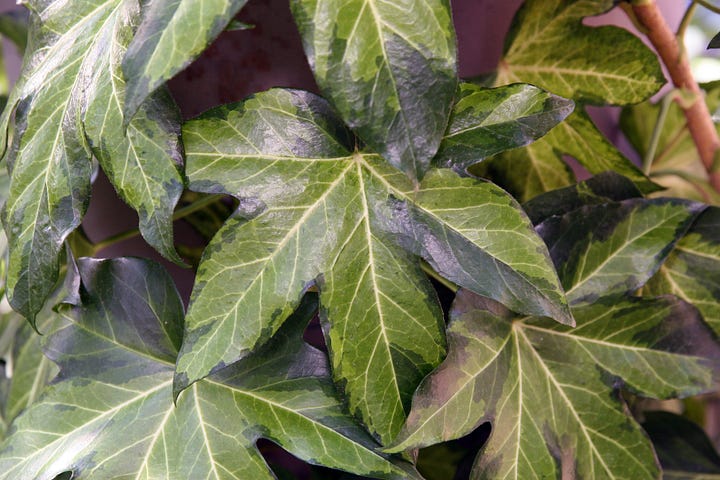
{"x": 368, "y": 209}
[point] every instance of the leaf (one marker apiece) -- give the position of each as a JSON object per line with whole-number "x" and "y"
{"x": 485, "y": 121}
{"x": 119, "y": 421}
{"x": 614, "y": 248}
{"x": 692, "y": 270}
{"x": 311, "y": 209}
{"x": 714, "y": 42}
{"x": 68, "y": 107}
{"x": 684, "y": 450}
{"x": 551, "y": 391}
{"x": 14, "y": 26}
{"x": 549, "y": 46}
{"x": 172, "y": 34}
{"x": 392, "y": 76}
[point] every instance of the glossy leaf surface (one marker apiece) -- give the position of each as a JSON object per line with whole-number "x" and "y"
{"x": 614, "y": 248}
{"x": 119, "y": 420}
{"x": 313, "y": 209}
{"x": 172, "y": 33}
{"x": 692, "y": 270}
{"x": 487, "y": 121}
{"x": 390, "y": 74}
{"x": 67, "y": 105}
{"x": 551, "y": 391}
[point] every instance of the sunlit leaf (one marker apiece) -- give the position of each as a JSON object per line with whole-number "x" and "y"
{"x": 110, "y": 414}
{"x": 390, "y": 73}
{"x": 550, "y": 391}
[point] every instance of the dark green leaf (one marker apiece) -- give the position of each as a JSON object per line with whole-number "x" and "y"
{"x": 551, "y": 391}
{"x": 390, "y": 73}
{"x": 310, "y": 208}
{"x": 549, "y": 46}
{"x": 111, "y": 415}
{"x": 68, "y": 100}
{"x": 14, "y": 26}
{"x": 172, "y": 34}
{"x": 684, "y": 450}
{"x": 714, "y": 42}
{"x": 486, "y": 121}
{"x": 614, "y": 248}
{"x": 692, "y": 270}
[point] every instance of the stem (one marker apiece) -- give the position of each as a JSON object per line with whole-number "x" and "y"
{"x": 440, "y": 279}
{"x": 708, "y": 5}
{"x": 687, "y": 17}
{"x": 179, "y": 214}
{"x": 700, "y": 124}
{"x": 655, "y": 139}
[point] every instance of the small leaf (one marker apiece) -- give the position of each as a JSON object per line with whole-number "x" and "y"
{"x": 486, "y": 121}
{"x": 392, "y": 76}
{"x": 615, "y": 248}
{"x": 119, "y": 420}
{"x": 714, "y": 42}
{"x": 172, "y": 34}
{"x": 549, "y": 46}
{"x": 692, "y": 270}
{"x": 311, "y": 210}
{"x": 551, "y": 391}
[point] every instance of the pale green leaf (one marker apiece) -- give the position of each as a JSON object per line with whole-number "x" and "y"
{"x": 118, "y": 421}
{"x": 311, "y": 209}
{"x": 551, "y": 391}
{"x": 68, "y": 100}
{"x": 389, "y": 68}
{"x": 172, "y": 34}
{"x": 486, "y": 121}
{"x": 692, "y": 270}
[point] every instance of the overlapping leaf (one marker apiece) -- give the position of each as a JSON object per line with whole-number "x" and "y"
{"x": 69, "y": 103}
{"x": 551, "y": 391}
{"x": 614, "y": 248}
{"x": 692, "y": 270}
{"x": 390, "y": 74}
{"x": 110, "y": 414}
{"x": 487, "y": 121}
{"x": 311, "y": 208}
{"x": 171, "y": 35}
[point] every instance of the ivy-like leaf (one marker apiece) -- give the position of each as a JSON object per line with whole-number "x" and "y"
{"x": 692, "y": 270}
{"x": 485, "y": 121}
{"x": 614, "y": 248}
{"x": 68, "y": 100}
{"x": 172, "y": 34}
{"x": 549, "y": 46}
{"x": 311, "y": 208}
{"x": 391, "y": 75}
{"x": 119, "y": 420}
{"x": 551, "y": 391}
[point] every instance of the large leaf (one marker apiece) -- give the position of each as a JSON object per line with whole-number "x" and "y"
{"x": 119, "y": 420}
{"x": 312, "y": 208}
{"x": 549, "y": 46}
{"x": 614, "y": 248}
{"x": 692, "y": 270}
{"x": 171, "y": 35}
{"x": 486, "y": 121}
{"x": 551, "y": 391}
{"x": 68, "y": 103}
{"x": 390, "y": 74}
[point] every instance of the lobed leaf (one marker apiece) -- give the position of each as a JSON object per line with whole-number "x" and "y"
{"x": 392, "y": 76}
{"x": 551, "y": 391}
{"x": 312, "y": 210}
{"x": 119, "y": 421}
{"x": 67, "y": 107}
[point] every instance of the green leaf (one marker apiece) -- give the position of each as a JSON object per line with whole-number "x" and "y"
{"x": 486, "y": 121}
{"x": 684, "y": 450}
{"x": 310, "y": 209}
{"x": 119, "y": 420}
{"x": 172, "y": 34}
{"x": 549, "y": 46}
{"x": 692, "y": 270}
{"x": 614, "y": 248}
{"x": 551, "y": 391}
{"x": 14, "y": 26}
{"x": 391, "y": 75}
{"x": 67, "y": 106}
